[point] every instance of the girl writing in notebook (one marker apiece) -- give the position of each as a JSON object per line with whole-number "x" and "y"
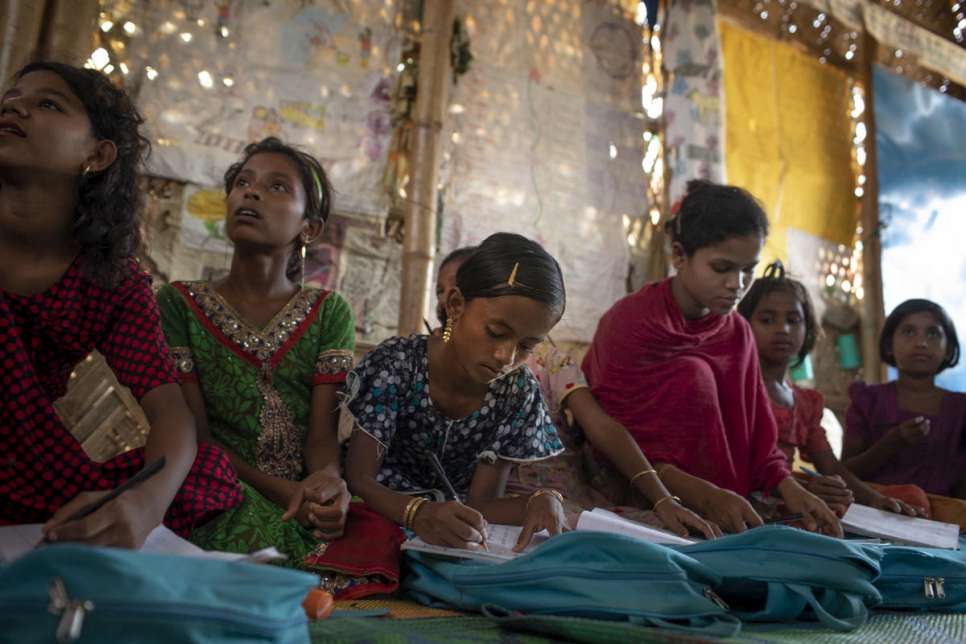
{"x": 783, "y": 321}
{"x": 261, "y": 357}
{"x": 910, "y": 430}
{"x": 564, "y": 388}
{"x": 465, "y": 397}
{"x": 71, "y": 153}
{"x": 676, "y": 367}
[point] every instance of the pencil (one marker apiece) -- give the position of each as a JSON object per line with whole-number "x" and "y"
{"x": 134, "y": 481}
{"x": 434, "y": 461}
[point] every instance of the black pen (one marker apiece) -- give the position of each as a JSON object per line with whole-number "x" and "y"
{"x": 434, "y": 461}
{"x": 134, "y": 481}
{"x": 785, "y": 519}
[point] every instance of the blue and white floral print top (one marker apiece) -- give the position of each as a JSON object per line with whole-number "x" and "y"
{"x": 388, "y": 396}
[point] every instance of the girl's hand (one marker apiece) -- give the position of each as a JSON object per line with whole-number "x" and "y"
{"x": 832, "y": 490}
{"x": 910, "y": 432}
{"x": 320, "y": 502}
{"x": 883, "y": 502}
{"x": 678, "y": 519}
{"x": 124, "y": 522}
{"x": 545, "y": 513}
{"x": 729, "y": 510}
{"x": 818, "y": 517}
{"x": 450, "y": 524}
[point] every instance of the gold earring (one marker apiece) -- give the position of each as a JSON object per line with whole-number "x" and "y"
{"x": 86, "y": 170}
{"x": 301, "y": 239}
{"x": 448, "y": 329}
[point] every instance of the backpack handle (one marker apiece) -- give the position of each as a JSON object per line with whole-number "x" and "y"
{"x": 852, "y": 611}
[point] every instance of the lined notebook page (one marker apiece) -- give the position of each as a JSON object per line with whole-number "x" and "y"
{"x": 606, "y": 521}
{"x": 870, "y": 522}
{"x": 500, "y": 540}
{"x": 18, "y": 540}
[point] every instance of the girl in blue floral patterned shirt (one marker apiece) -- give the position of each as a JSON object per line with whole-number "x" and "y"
{"x": 465, "y": 397}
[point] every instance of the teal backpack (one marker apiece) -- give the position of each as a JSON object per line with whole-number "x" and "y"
{"x": 77, "y": 593}
{"x": 922, "y": 578}
{"x": 584, "y": 575}
{"x": 778, "y": 573}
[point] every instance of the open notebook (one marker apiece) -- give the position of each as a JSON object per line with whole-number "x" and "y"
{"x": 500, "y": 539}
{"x": 18, "y": 540}
{"x": 900, "y": 528}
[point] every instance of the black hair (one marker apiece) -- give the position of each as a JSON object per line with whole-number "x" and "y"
{"x": 458, "y": 255}
{"x": 109, "y": 211}
{"x": 511, "y": 264}
{"x": 710, "y": 213}
{"x": 774, "y": 280}
{"x": 318, "y": 189}
{"x": 908, "y": 308}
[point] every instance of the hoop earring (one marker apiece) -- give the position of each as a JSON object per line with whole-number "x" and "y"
{"x": 302, "y": 271}
{"x": 86, "y": 171}
{"x": 448, "y": 329}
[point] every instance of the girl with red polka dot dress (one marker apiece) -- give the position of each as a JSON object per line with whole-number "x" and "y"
{"x": 70, "y": 157}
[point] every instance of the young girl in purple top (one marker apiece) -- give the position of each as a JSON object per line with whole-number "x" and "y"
{"x": 909, "y": 430}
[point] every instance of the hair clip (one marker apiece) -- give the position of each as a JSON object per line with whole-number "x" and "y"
{"x": 513, "y": 275}
{"x": 776, "y": 270}
{"x": 318, "y": 184}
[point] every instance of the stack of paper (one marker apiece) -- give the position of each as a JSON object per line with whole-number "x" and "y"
{"x": 900, "y": 528}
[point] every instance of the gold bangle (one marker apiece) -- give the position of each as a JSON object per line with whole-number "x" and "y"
{"x": 555, "y": 493}
{"x": 661, "y": 470}
{"x": 662, "y": 500}
{"x": 642, "y": 473}
{"x": 409, "y": 514}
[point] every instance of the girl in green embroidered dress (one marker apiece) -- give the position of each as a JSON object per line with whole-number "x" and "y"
{"x": 261, "y": 359}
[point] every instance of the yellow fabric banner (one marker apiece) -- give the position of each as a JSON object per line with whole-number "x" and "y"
{"x": 788, "y": 137}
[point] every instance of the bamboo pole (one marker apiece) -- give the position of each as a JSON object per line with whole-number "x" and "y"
{"x": 69, "y": 28}
{"x": 873, "y": 313}
{"x": 419, "y": 232}
{"x": 22, "y": 21}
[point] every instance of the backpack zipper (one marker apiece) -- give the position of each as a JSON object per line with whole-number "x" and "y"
{"x": 713, "y": 596}
{"x": 72, "y": 612}
{"x": 934, "y": 587}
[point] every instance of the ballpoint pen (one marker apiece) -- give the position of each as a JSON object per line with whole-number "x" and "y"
{"x": 434, "y": 461}
{"x": 135, "y": 480}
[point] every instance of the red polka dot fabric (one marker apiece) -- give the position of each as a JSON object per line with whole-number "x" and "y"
{"x": 42, "y": 338}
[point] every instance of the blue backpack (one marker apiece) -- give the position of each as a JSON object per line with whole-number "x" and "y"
{"x": 922, "y": 578}
{"x": 581, "y": 574}
{"x": 77, "y": 593}
{"x": 775, "y": 573}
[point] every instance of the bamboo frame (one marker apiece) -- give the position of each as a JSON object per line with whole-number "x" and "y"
{"x": 419, "y": 232}
{"x": 873, "y": 313}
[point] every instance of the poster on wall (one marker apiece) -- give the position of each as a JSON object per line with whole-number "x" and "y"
{"x": 922, "y": 199}
{"x": 544, "y": 138}
{"x": 217, "y": 76}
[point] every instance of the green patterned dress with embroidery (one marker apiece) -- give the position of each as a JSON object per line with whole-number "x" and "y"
{"x": 257, "y": 388}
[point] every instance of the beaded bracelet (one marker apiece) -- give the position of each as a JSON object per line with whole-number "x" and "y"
{"x": 555, "y": 493}
{"x": 662, "y": 500}
{"x": 642, "y": 473}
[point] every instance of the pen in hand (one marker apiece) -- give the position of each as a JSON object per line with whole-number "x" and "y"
{"x": 132, "y": 482}
{"x": 434, "y": 461}
{"x": 785, "y": 519}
